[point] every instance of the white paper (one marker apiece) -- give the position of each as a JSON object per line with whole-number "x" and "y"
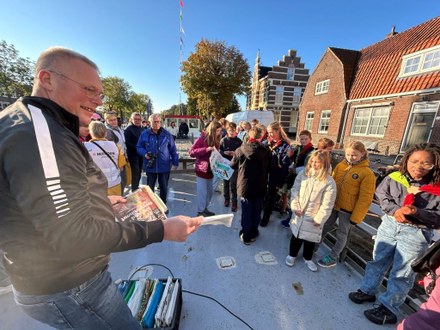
{"x": 221, "y": 219}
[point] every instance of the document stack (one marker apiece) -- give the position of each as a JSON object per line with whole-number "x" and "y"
{"x": 156, "y": 303}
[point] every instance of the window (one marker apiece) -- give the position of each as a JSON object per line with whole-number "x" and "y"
{"x": 370, "y": 121}
{"x": 279, "y": 95}
{"x": 308, "y": 124}
{"x": 324, "y": 121}
{"x": 290, "y": 73}
{"x": 322, "y": 87}
{"x": 297, "y": 94}
{"x": 420, "y": 62}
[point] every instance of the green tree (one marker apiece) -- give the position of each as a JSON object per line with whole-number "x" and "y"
{"x": 234, "y": 106}
{"x": 117, "y": 96}
{"x": 138, "y": 103}
{"x": 16, "y": 73}
{"x": 213, "y": 75}
{"x": 176, "y": 109}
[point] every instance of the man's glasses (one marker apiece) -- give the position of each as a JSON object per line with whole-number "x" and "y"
{"x": 91, "y": 92}
{"x": 425, "y": 165}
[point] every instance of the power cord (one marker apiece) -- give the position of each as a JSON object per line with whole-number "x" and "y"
{"x": 144, "y": 267}
{"x": 204, "y": 296}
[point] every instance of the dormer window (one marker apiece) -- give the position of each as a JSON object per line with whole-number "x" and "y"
{"x": 322, "y": 87}
{"x": 423, "y": 61}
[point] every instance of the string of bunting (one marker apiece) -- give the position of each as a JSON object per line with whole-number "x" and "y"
{"x": 181, "y": 35}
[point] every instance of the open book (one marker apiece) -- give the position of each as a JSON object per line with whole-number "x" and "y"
{"x": 141, "y": 204}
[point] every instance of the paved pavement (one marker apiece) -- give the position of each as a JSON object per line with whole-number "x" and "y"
{"x": 258, "y": 287}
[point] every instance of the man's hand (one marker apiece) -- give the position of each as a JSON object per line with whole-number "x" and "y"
{"x": 174, "y": 167}
{"x": 116, "y": 199}
{"x": 298, "y": 213}
{"x": 178, "y": 228}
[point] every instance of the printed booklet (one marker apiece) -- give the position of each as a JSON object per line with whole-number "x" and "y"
{"x": 141, "y": 204}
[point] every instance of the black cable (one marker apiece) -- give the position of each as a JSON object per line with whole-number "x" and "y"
{"x": 146, "y": 265}
{"x": 204, "y": 296}
{"x": 190, "y": 292}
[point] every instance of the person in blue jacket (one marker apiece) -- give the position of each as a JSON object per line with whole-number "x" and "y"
{"x": 157, "y": 147}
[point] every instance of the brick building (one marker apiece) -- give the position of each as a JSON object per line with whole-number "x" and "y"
{"x": 386, "y": 95}
{"x": 279, "y": 89}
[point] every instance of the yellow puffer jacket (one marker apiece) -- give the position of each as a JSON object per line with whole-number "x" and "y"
{"x": 355, "y": 188}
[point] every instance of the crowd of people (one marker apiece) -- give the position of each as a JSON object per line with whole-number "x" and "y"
{"x": 58, "y": 228}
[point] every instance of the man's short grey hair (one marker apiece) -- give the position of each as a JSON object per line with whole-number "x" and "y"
{"x": 51, "y": 56}
{"x": 97, "y": 129}
{"x": 135, "y": 114}
{"x": 154, "y": 115}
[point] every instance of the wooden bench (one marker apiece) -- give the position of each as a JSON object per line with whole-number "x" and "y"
{"x": 185, "y": 161}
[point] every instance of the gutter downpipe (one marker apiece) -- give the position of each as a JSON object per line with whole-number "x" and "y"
{"x": 342, "y": 133}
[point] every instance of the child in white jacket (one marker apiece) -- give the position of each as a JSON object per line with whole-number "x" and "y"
{"x": 313, "y": 198}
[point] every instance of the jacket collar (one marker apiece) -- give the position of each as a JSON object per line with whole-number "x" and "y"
{"x": 55, "y": 111}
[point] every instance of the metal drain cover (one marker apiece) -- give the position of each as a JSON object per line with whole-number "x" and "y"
{"x": 226, "y": 262}
{"x": 266, "y": 258}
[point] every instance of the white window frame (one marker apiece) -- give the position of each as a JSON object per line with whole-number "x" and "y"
{"x": 308, "y": 122}
{"x": 279, "y": 95}
{"x": 415, "y": 63}
{"x": 322, "y": 87}
{"x": 324, "y": 118}
{"x": 367, "y": 123}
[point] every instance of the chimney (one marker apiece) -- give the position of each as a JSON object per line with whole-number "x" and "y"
{"x": 393, "y": 32}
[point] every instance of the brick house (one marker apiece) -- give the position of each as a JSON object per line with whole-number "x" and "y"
{"x": 386, "y": 95}
{"x": 279, "y": 89}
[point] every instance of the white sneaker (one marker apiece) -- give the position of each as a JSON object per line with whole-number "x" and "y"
{"x": 290, "y": 261}
{"x": 5, "y": 289}
{"x": 311, "y": 265}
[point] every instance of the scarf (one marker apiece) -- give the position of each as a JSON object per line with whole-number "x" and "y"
{"x": 433, "y": 189}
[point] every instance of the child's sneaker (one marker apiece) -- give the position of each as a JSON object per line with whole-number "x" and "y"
{"x": 327, "y": 262}
{"x": 290, "y": 261}
{"x": 311, "y": 265}
{"x": 380, "y": 315}
{"x": 245, "y": 241}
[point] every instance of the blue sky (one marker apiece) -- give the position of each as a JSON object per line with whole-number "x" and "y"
{"x": 138, "y": 40}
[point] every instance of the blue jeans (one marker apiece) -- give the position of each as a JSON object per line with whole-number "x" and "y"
{"x": 95, "y": 304}
{"x": 204, "y": 193}
{"x": 163, "y": 183}
{"x": 397, "y": 245}
{"x": 250, "y": 216}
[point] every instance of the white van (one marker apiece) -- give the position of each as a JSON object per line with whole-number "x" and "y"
{"x": 264, "y": 117}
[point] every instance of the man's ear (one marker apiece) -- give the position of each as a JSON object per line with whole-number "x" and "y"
{"x": 45, "y": 79}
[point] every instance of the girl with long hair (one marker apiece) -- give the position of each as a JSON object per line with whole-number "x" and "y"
{"x": 356, "y": 183}
{"x": 313, "y": 196}
{"x": 201, "y": 151}
{"x": 279, "y": 146}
